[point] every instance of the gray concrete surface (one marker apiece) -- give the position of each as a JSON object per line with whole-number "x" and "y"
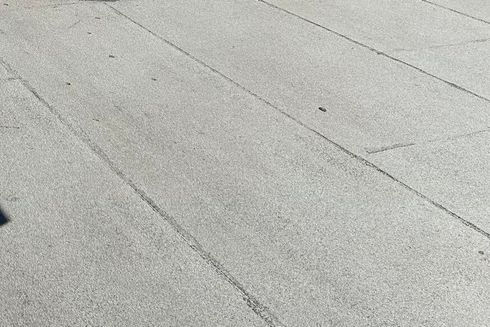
{"x": 475, "y": 9}
{"x": 165, "y": 163}
{"x": 389, "y": 25}
{"x": 373, "y": 102}
{"x": 441, "y": 38}
{"x": 81, "y": 248}
{"x": 467, "y": 64}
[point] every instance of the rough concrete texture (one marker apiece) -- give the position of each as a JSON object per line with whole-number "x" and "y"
{"x": 475, "y": 9}
{"x": 166, "y": 163}
{"x": 81, "y": 248}
{"x": 467, "y": 64}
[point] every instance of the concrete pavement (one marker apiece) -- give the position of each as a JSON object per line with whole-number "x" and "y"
{"x": 165, "y": 163}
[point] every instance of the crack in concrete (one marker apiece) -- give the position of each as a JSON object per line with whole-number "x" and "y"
{"x": 388, "y": 147}
{"x": 455, "y": 137}
{"x": 441, "y": 46}
{"x": 74, "y": 24}
{"x": 456, "y": 11}
{"x": 374, "y": 150}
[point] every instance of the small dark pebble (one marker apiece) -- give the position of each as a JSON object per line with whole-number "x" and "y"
{"x": 112, "y": 56}
{"x": 68, "y": 83}
{"x": 97, "y": 17}
{"x": 89, "y": 32}
{"x": 153, "y": 79}
{"x": 5, "y": 4}
{"x": 481, "y": 252}
{"x": 322, "y": 109}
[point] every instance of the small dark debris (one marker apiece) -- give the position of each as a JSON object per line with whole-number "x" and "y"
{"x": 153, "y": 79}
{"x": 5, "y": 4}
{"x": 89, "y": 32}
{"x": 96, "y": 119}
{"x": 481, "y": 252}
{"x": 97, "y": 17}
{"x": 111, "y": 56}
{"x": 68, "y": 83}
{"x": 322, "y": 109}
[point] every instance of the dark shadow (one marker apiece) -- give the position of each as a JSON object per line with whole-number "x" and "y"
{"x": 3, "y": 218}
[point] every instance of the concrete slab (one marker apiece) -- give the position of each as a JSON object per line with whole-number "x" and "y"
{"x": 466, "y": 64}
{"x": 479, "y": 9}
{"x": 370, "y": 100}
{"x": 81, "y": 248}
{"x": 454, "y": 172}
{"x": 368, "y": 106}
{"x": 389, "y": 24}
{"x": 432, "y": 29}
{"x": 436, "y": 22}
{"x": 298, "y": 221}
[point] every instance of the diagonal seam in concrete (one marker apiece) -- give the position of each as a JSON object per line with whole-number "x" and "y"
{"x": 337, "y": 145}
{"x": 456, "y": 11}
{"x": 379, "y": 52}
{"x": 251, "y": 300}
